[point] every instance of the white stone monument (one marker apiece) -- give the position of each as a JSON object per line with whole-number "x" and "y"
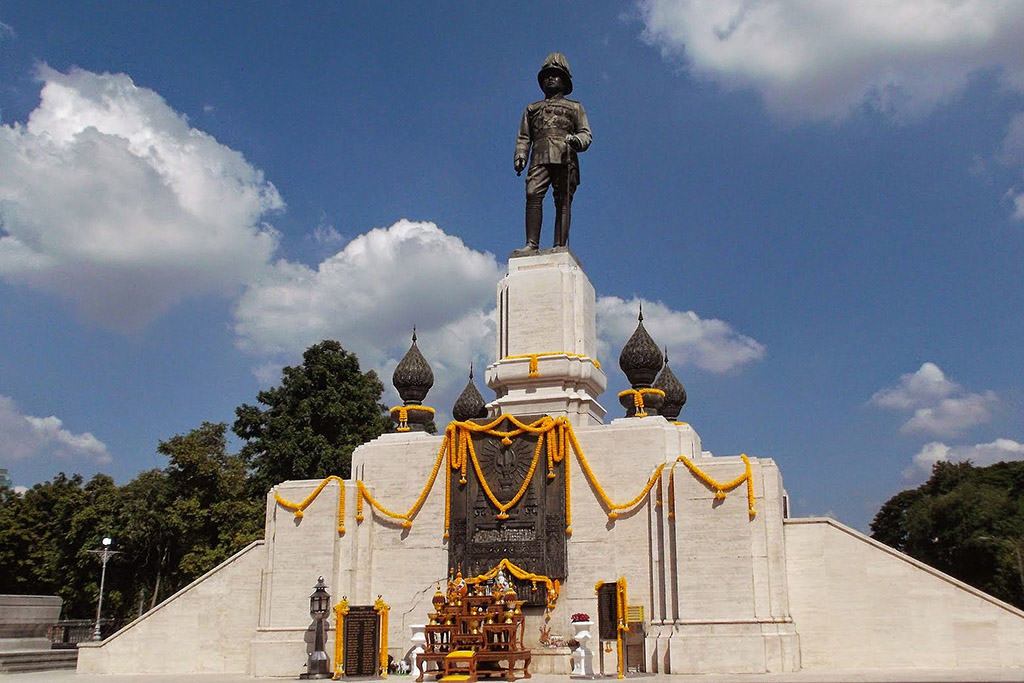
{"x": 710, "y": 575}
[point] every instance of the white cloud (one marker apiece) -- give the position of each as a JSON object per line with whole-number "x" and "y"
{"x": 940, "y": 406}
{"x": 110, "y": 199}
{"x": 25, "y": 436}
{"x": 952, "y": 416}
{"x": 916, "y": 389}
{"x": 369, "y": 294}
{"x": 981, "y": 455}
{"x": 710, "y": 344}
{"x": 822, "y": 59}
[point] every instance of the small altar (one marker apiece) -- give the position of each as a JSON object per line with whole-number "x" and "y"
{"x": 475, "y": 632}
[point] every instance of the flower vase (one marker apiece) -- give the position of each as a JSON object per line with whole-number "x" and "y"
{"x": 583, "y": 657}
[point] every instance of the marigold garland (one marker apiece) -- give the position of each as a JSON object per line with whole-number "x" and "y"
{"x": 638, "y": 399}
{"x": 504, "y": 507}
{"x": 382, "y": 609}
{"x": 340, "y": 610}
{"x": 534, "y": 370}
{"x": 300, "y": 507}
{"x": 722, "y": 489}
{"x": 555, "y": 438}
{"x": 553, "y": 586}
{"x": 623, "y": 625}
{"x": 403, "y": 415}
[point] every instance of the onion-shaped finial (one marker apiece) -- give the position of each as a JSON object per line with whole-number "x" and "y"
{"x": 641, "y": 358}
{"x": 675, "y": 394}
{"x": 413, "y": 377}
{"x": 470, "y": 404}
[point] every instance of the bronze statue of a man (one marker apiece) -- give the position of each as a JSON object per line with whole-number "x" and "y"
{"x": 551, "y": 132}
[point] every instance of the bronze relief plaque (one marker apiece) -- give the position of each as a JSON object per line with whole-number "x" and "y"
{"x": 531, "y": 533}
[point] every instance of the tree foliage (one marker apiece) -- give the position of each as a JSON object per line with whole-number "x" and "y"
{"x": 169, "y": 526}
{"x": 173, "y": 524}
{"x": 966, "y": 521}
{"x": 313, "y": 421}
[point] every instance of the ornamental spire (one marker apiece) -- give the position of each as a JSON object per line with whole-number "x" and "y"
{"x": 641, "y": 358}
{"x": 470, "y": 404}
{"x": 413, "y": 377}
{"x": 675, "y": 394}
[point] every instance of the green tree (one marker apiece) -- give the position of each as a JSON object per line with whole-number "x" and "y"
{"x": 210, "y": 514}
{"x": 45, "y": 535}
{"x": 313, "y": 421}
{"x": 966, "y": 521}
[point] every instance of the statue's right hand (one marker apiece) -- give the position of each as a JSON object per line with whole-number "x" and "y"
{"x": 519, "y": 164}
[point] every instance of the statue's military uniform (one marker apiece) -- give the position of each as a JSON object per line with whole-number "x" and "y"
{"x": 544, "y": 134}
{"x": 543, "y": 129}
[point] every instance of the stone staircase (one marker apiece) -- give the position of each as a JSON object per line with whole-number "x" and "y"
{"x": 37, "y": 660}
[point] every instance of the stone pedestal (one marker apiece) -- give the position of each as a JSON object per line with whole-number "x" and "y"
{"x": 547, "y": 341}
{"x": 583, "y": 657}
{"x": 418, "y": 639}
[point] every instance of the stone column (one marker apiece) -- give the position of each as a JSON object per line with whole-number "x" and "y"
{"x": 547, "y": 341}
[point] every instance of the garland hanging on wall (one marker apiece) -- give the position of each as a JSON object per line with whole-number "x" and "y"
{"x": 555, "y": 438}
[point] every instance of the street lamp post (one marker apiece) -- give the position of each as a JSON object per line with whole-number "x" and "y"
{"x": 105, "y": 553}
{"x": 319, "y": 606}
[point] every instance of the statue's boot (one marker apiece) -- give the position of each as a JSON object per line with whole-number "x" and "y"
{"x": 563, "y": 216}
{"x": 534, "y": 216}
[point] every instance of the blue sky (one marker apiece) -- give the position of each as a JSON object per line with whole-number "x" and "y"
{"x": 821, "y": 205}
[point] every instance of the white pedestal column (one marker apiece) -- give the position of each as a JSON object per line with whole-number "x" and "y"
{"x": 547, "y": 341}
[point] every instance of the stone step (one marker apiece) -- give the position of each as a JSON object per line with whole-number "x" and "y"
{"x": 37, "y": 660}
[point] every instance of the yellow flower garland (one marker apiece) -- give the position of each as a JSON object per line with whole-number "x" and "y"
{"x": 553, "y": 586}
{"x": 403, "y": 415}
{"x": 623, "y": 625}
{"x": 340, "y": 610}
{"x": 638, "y": 399}
{"x": 722, "y": 489}
{"x": 534, "y": 364}
{"x": 555, "y": 436}
{"x": 406, "y": 519}
{"x": 382, "y": 609}
{"x": 299, "y": 507}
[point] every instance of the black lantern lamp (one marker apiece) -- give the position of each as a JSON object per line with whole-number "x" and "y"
{"x": 318, "y": 666}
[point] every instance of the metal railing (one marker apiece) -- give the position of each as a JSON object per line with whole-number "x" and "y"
{"x": 68, "y": 633}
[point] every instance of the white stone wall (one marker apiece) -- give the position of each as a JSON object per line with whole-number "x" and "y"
{"x": 859, "y": 604}
{"x": 203, "y": 628}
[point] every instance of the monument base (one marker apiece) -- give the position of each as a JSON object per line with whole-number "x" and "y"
{"x": 547, "y": 341}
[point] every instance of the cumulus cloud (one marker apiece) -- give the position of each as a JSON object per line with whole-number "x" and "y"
{"x": 824, "y": 58}
{"x": 110, "y": 199}
{"x": 1000, "y": 450}
{"x": 369, "y": 294}
{"x": 26, "y": 436}
{"x": 916, "y": 389}
{"x": 939, "y": 406}
{"x": 710, "y": 344}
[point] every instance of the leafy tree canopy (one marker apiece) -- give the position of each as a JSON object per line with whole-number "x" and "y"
{"x": 313, "y": 421}
{"x": 169, "y": 526}
{"x": 966, "y": 521}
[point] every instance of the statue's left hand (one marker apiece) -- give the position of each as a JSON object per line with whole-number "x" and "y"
{"x": 574, "y": 142}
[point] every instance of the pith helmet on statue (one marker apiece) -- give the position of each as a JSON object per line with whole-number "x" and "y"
{"x": 556, "y": 61}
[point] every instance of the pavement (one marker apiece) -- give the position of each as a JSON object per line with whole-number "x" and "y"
{"x": 866, "y": 676}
